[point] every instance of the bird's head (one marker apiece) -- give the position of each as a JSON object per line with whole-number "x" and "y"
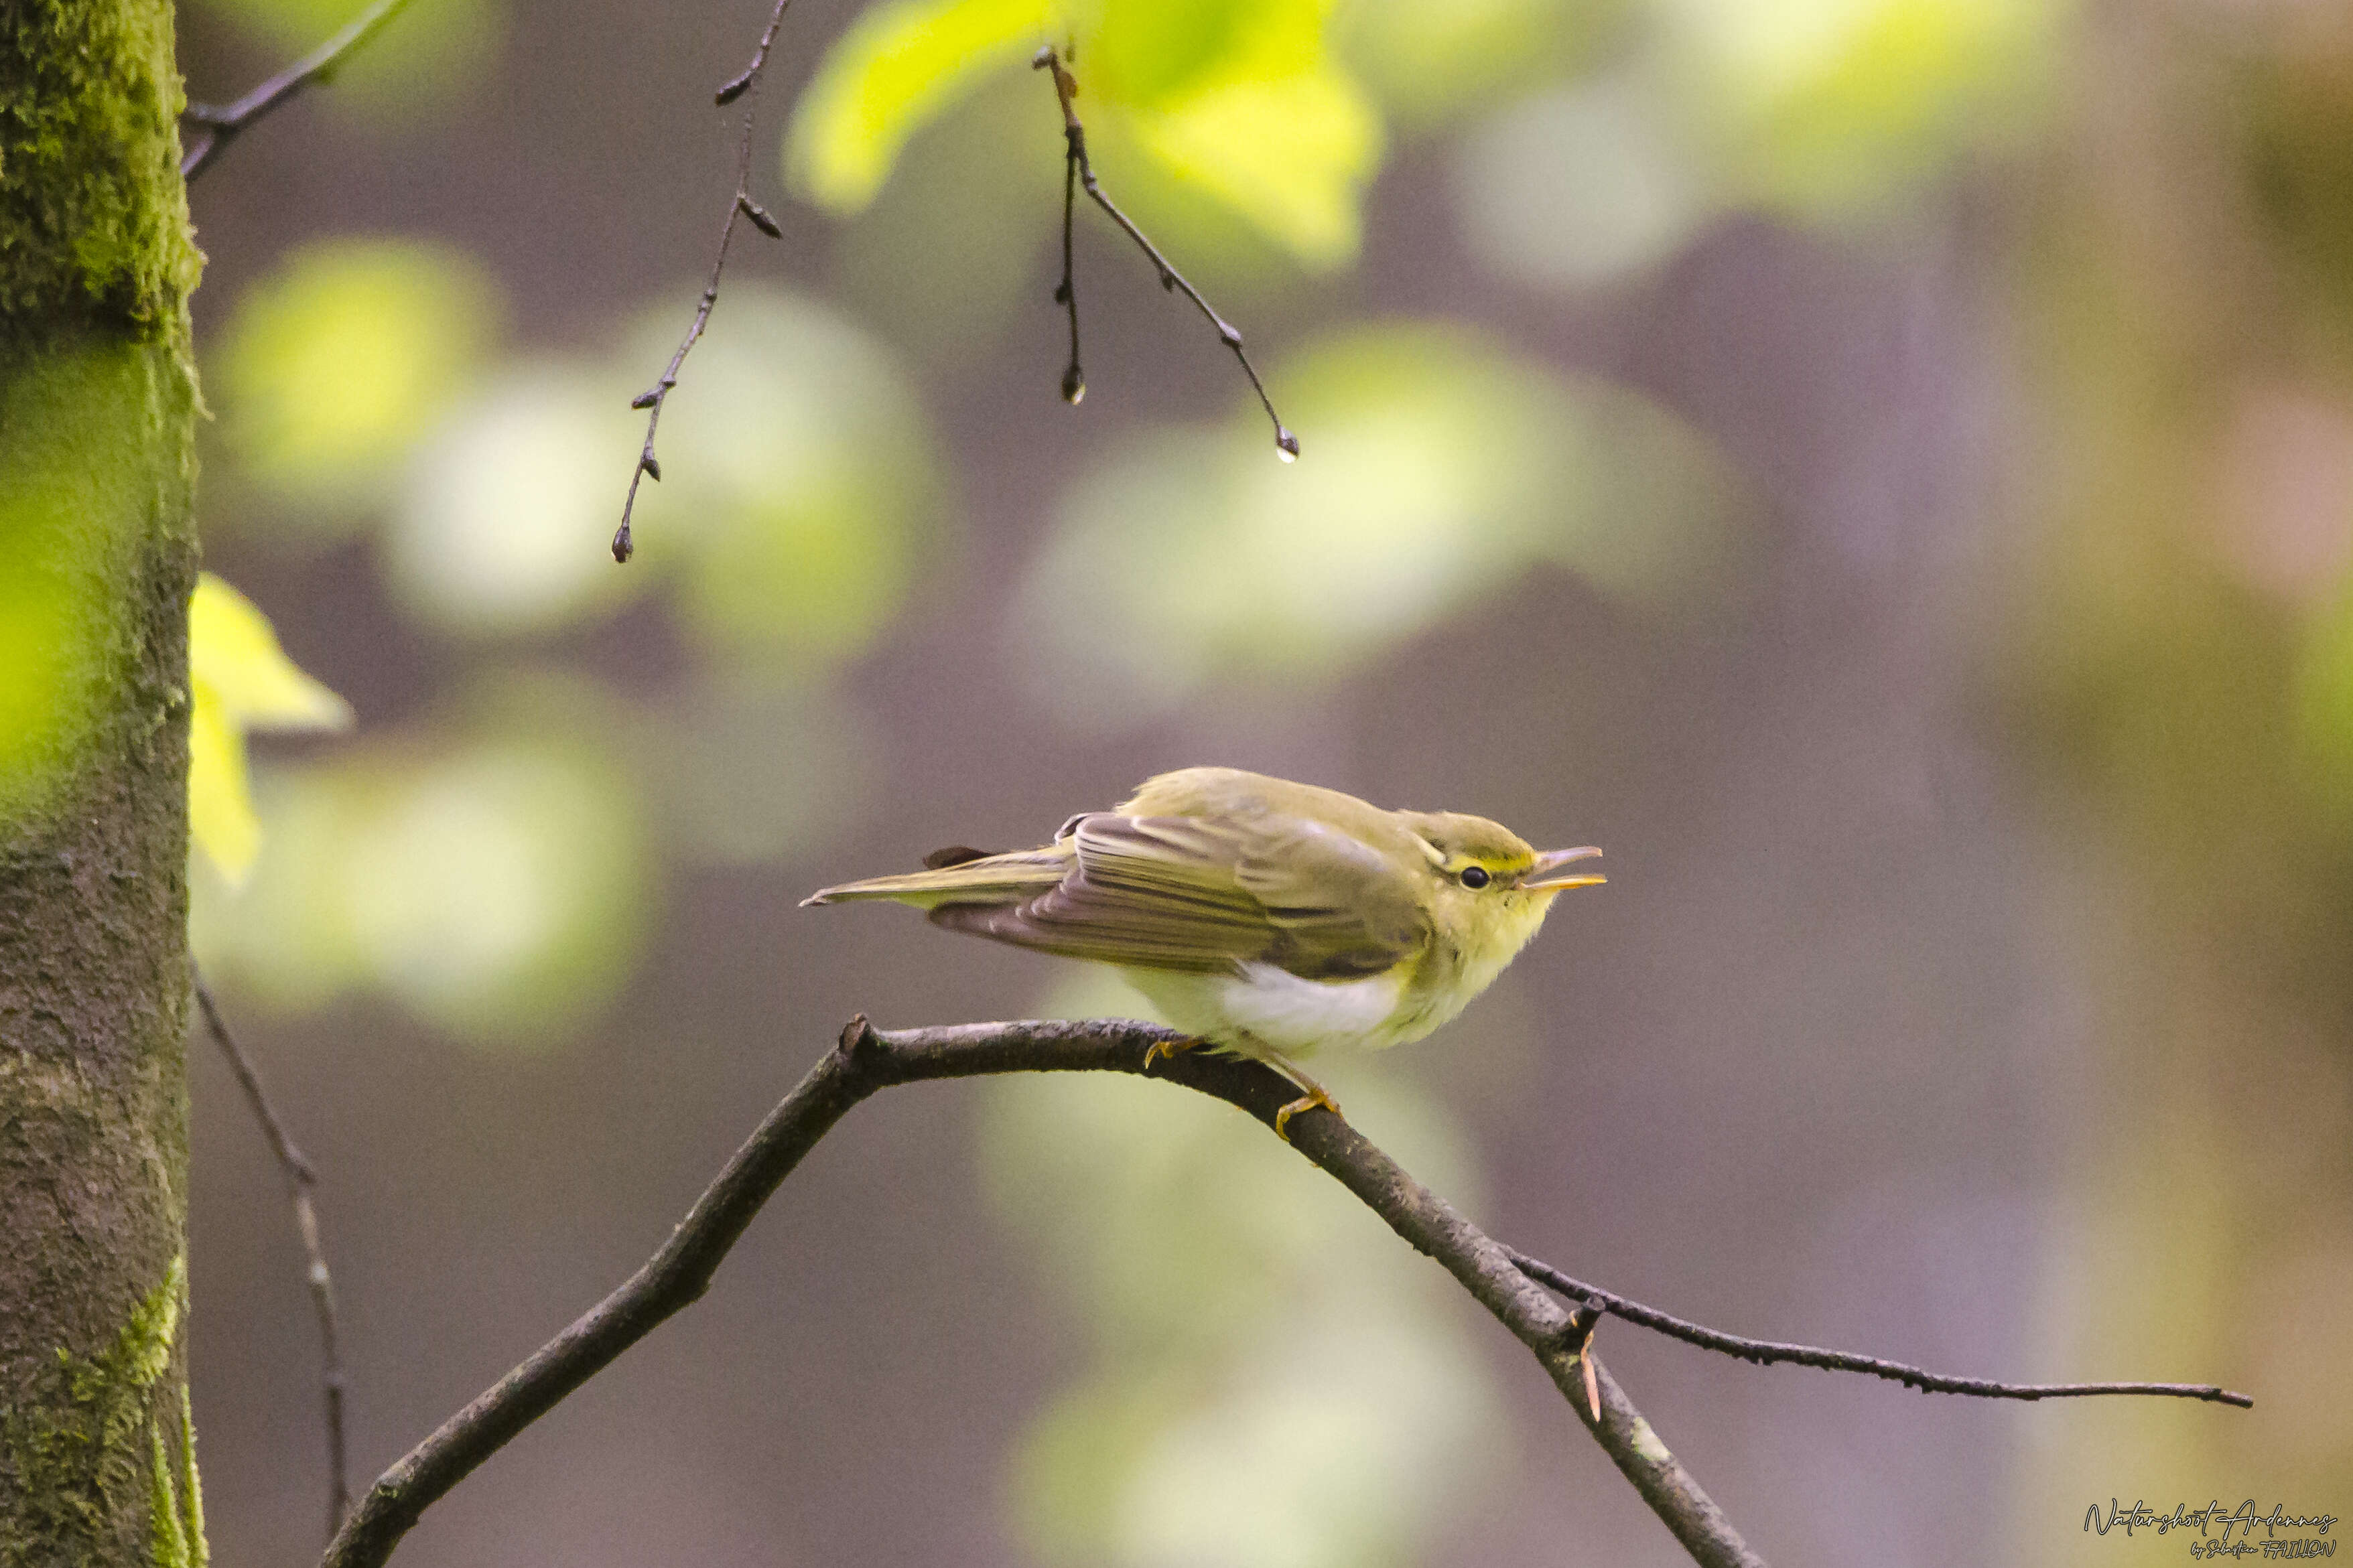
{"x": 1487, "y": 886}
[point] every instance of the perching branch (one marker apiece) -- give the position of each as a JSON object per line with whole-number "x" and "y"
{"x": 1078, "y": 170}
{"x": 866, "y": 1061}
{"x": 1765, "y": 1352}
{"x": 223, "y": 126}
{"x": 300, "y": 1177}
{"x": 740, "y": 205}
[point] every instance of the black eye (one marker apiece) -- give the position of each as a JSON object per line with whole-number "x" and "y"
{"x": 1475, "y": 876}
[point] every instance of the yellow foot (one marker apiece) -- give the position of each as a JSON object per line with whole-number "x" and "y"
{"x": 1158, "y": 1048}
{"x": 1314, "y": 1099}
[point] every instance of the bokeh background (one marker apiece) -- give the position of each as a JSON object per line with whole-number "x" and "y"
{"x": 1884, "y": 469}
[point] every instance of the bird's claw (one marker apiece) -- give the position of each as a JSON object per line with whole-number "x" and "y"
{"x": 1316, "y": 1100}
{"x": 1160, "y": 1049}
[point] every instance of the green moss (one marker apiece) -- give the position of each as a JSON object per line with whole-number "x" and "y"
{"x": 168, "y": 1537}
{"x": 93, "y": 213}
{"x": 94, "y": 1438}
{"x": 192, "y": 1493}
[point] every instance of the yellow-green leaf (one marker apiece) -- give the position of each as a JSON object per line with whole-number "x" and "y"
{"x": 902, "y": 66}
{"x": 339, "y": 363}
{"x": 1307, "y": 199}
{"x": 239, "y": 680}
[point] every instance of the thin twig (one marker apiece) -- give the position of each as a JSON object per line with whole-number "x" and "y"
{"x": 1075, "y": 164}
{"x": 300, "y": 1177}
{"x": 1066, "y": 293}
{"x": 742, "y": 205}
{"x": 1765, "y": 1352}
{"x": 865, "y": 1062}
{"x": 224, "y": 125}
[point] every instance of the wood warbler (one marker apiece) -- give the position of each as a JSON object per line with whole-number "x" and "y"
{"x": 1264, "y": 918}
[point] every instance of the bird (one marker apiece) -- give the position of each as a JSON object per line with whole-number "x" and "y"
{"x": 1263, "y": 918}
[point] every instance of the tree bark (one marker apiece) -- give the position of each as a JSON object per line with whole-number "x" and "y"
{"x": 97, "y": 558}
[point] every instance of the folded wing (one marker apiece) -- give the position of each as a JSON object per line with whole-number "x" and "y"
{"x": 1199, "y": 895}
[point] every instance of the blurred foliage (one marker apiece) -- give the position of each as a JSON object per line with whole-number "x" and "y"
{"x": 485, "y": 536}
{"x": 1442, "y": 470}
{"x": 1825, "y": 104}
{"x": 1430, "y": 61}
{"x": 1274, "y": 1382}
{"x": 1201, "y": 89}
{"x": 798, "y": 491}
{"x": 238, "y": 680}
{"x": 487, "y": 865}
{"x": 1582, "y": 185}
{"x": 1609, "y": 132}
{"x": 492, "y": 877}
{"x": 330, "y": 371}
{"x": 900, "y": 66}
{"x": 1819, "y": 110}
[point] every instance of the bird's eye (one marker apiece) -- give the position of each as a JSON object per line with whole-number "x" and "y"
{"x": 1475, "y": 876}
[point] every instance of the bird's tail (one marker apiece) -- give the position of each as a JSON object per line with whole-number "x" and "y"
{"x": 976, "y": 880}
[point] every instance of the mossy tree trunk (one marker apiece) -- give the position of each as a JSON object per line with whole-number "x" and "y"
{"x": 97, "y": 557}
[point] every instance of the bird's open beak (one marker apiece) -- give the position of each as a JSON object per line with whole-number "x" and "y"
{"x": 1554, "y": 870}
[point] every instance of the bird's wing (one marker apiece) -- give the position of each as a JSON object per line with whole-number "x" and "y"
{"x": 1207, "y": 894}
{"x": 966, "y": 874}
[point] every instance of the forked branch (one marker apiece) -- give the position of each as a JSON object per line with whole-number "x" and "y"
{"x": 1078, "y": 170}
{"x": 867, "y": 1061}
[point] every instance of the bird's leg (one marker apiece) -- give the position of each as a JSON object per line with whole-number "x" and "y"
{"x": 1158, "y": 1048}
{"x": 1316, "y": 1098}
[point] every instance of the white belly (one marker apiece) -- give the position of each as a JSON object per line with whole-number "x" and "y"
{"x": 1272, "y": 1008}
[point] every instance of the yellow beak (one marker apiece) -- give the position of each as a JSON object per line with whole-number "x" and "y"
{"x": 1552, "y": 872}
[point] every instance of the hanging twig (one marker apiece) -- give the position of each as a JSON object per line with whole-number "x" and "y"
{"x": 867, "y": 1061}
{"x": 224, "y": 125}
{"x": 1765, "y": 1352}
{"x": 742, "y": 205}
{"x": 1077, "y": 170}
{"x": 300, "y": 1177}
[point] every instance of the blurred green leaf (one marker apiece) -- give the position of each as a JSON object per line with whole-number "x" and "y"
{"x": 336, "y": 365}
{"x": 239, "y": 680}
{"x": 1244, "y": 104}
{"x": 900, "y": 66}
{"x": 1440, "y": 470}
{"x": 496, "y": 888}
{"x": 1585, "y": 185}
{"x": 945, "y": 305}
{"x": 798, "y": 480}
{"x": 502, "y": 524}
{"x": 1826, "y": 105}
{"x": 1429, "y": 60}
{"x": 1308, "y": 196}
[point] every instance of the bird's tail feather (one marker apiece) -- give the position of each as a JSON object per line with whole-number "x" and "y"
{"x": 992, "y": 878}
